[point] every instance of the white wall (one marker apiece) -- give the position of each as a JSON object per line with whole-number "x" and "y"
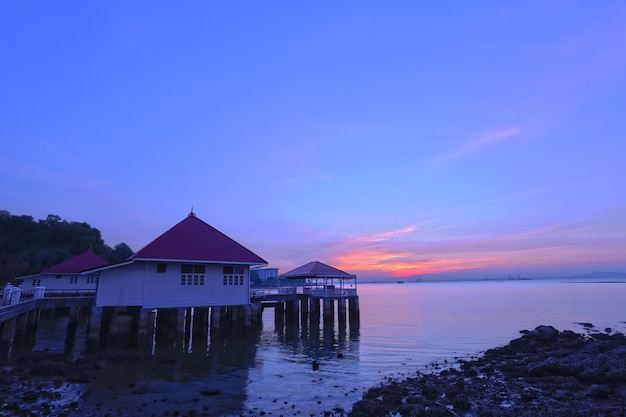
{"x": 51, "y": 282}
{"x": 139, "y": 284}
{"x": 121, "y": 286}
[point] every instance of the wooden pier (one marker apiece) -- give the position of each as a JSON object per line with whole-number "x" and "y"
{"x": 20, "y": 320}
{"x": 307, "y": 303}
{"x": 180, "y": 328}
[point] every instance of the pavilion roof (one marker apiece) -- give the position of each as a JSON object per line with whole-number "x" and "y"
{"x": 194, "y": 240}
{"x": 317, "y": 269}
{"x": 77, "y": 264}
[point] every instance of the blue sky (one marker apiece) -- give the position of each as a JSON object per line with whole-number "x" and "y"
{"x": 384, "y": 138}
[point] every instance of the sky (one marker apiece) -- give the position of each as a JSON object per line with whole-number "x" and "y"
{"x": 388, "y": 139}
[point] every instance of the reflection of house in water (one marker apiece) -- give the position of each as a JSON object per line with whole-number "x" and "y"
{"x": 181, "y": 275}
{"x": 67, "y": 277}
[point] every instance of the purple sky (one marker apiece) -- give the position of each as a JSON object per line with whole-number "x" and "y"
{"x": 383, "y": 138}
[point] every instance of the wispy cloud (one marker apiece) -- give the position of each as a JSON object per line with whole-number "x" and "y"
{"x": 383, "y": 236}
{"x": 483, "y": 140}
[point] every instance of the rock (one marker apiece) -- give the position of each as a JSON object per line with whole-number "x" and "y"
{"x": 567, "y": 373}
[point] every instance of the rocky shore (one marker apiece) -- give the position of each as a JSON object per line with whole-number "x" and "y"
{"x": 545, "y": 372}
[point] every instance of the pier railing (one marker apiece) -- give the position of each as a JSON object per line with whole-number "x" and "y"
{"x": 274, "y": 292}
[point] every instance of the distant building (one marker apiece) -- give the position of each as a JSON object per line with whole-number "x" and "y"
{"x": 263, "y": 274}
{"x": 192, "y": 264}
{"x": 67, "y": 276}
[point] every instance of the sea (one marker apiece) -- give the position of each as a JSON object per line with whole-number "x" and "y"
{"x": 295, "y": 370}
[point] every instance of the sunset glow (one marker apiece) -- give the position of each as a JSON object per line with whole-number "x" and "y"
{"x": 403, "y": 139}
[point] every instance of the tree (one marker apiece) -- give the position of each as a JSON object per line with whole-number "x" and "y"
{"x": 120, "y": 252}
{"x": 29, "y": 247}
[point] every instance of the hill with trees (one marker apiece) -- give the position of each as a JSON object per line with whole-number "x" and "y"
{"x": 28, "y": 246}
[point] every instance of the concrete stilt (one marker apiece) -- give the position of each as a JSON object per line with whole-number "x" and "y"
{"x": 341, "y": 311}
{"x": 163, "y": 328}
{"x": 180, "y": 327}
{"x": 6, "y": 337}
{"x": 315, "y": 307}
{"x": 304, "y": 311}
{"x": 143, "y": 324}
{"x": 215, "y": 319}
{"x": 257, "y": 311}
{"x": 279, "y": 317}
{"x": 234, "y": 316}
{"x": 247, "y": 312}
{"x": 72, "y": 322}
{"x": 20, "y": 325}
{"x": 353, "y": 309}
{"x": 328, "y": 309}
{"x": 291, "y": 310}
{"x": 93, "y": 333}
{"x": 200, "y": 323}
{"x": 33, "y": 320}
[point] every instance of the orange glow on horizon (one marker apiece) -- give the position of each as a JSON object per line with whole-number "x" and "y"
{"x": 401, "y": 264}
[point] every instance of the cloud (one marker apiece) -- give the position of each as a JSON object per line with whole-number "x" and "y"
{"x": 383, "y": 261}
{"x": 383, "y": 236}
{"x": 485, "y": 139}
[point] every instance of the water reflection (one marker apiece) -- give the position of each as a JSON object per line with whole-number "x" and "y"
{"x": 264, "y": 368}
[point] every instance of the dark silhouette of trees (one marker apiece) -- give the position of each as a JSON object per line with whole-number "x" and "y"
{"x": 29, "y": 247}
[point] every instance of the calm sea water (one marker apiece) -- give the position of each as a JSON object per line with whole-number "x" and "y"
{"x": 403, "y": 328}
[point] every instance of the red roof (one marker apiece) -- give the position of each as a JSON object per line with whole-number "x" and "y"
{"x": 194, "y": 240}
{"x": 84, "y": 261}
{"x": 317, "y": 269}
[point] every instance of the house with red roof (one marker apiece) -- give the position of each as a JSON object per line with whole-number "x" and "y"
{"x": 192, "y": 264}
{"x": 67, "y": 276}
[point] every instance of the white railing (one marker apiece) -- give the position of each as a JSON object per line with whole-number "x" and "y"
{"x": 314, "y": 291}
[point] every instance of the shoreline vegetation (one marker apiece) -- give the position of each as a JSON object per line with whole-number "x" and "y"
{"x": 545, "y": 372}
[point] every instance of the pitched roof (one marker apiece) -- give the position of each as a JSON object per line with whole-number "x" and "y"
{"x": 317, "y": 269}
{"x": 79, "y": 263}
{"x": 194, "y": 240}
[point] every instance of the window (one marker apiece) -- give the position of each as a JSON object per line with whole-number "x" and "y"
{"x": 73, "y": 280}
{"x": 192, "y": 274}
{"x": 92, "y": 279}
{"x": 161, "y": 268}
{"x": 233, "y": 274}
{"x": 36, "y": 282}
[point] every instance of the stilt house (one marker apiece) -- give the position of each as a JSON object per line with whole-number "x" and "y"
{"x": 191, "y": 264}
{"x": 68, "y": 276}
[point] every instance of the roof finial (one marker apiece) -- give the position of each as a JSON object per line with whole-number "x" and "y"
{"x": 191, "y": 213}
